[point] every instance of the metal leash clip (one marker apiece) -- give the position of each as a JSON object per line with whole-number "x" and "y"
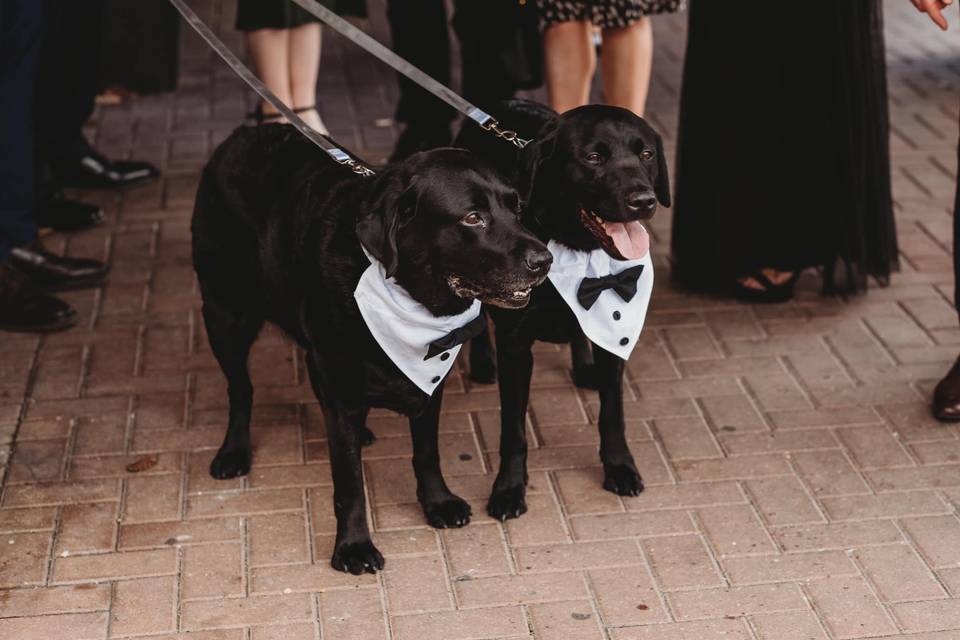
{"x": 510, "y": 136}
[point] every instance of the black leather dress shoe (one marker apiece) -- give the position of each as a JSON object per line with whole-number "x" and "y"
{"x": 94, "y": 171}
{"x": 61, "y": 214}
{"x": 946, "y": 397}
{"x": 24, "y": 309}
{"x": 51, "y": 272}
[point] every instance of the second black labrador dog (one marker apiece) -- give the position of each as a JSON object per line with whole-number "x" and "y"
{"x": 282, "y": 233}
{"x": 589, "y": 176}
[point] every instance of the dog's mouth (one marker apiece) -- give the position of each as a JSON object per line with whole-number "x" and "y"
{"x": 621, "y": 240}
{"x": 508, "y": 299}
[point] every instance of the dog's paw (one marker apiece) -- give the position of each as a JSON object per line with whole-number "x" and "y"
{"x": 507, "y": 503}
{"x": 585, "y": 377}
{"x": 357, "y": 557}
{"x": 622, "y": 480}
{"x": 230, "y": 463}
{"x": 367, "y": 437}
{"x": 448, "y": 514}
{"x": 483, "y": 371}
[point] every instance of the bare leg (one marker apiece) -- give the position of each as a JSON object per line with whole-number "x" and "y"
{"x": 626, "y": 60}
{"x": 269, "y": 50}
{"x": 304, "y": 55}
{"x": 570, "y": 61}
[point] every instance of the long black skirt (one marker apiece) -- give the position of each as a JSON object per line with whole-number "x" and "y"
{"x": 783, "y": 152}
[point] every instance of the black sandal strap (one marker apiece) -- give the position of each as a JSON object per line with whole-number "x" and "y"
{"x": 312, "y": 107}
{"x": 258, "y": 116}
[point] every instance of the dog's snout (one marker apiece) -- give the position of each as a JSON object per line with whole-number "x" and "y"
{"x": 641, "y": 200}
{"x": 538, "y": 261}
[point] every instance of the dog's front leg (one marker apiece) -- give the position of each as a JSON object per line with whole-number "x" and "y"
{"x": 581, "y": 357}
{"x": 620, "y": 473}
{"x": 515, "y": 363}
{"x": 483, "y": 367}
{"x": 441, "y": 506}
{"x": 353, "y": 550}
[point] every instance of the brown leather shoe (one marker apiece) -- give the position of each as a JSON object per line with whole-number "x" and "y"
{"x": 946, "y": 397}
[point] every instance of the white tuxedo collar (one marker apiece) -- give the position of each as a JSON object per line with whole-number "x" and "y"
{"x": 404, "y": 328}
{"x": 611, "y": 322}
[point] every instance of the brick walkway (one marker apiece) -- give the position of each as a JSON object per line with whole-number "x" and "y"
{"x": 796, "y": 487}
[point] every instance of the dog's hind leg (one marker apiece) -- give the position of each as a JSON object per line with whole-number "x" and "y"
{"x": 508, "y": 498}
{"x": 353, "y": 550}
{"x": 620, "y": 473}
{"x": 581, "y": 356}
{"x": 231, "y": 334}
{"x": 483, "y": 366}
{"x": 442, "y": 508}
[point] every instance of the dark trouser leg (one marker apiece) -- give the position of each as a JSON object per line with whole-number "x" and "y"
{"x": 619, "y": 470}
{"x": 946, "y": 396}
{"x": 68, "y": 81}
{"x": 419, "y": 32}
{"x": 442, "y": 508}
{"x": 20, "y": 26}
{"x": 480, "y": 28}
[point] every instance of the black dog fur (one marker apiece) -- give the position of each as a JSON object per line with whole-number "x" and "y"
{"x": 556, "y": 179}
{"x": 277, "y": 233}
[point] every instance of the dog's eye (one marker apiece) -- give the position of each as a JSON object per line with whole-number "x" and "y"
{"x": 472, "y": 219}
{"x": 646, "y": 154}
{"x": 594, "y": 158}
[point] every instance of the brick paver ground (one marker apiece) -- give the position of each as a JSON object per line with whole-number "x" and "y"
{"x": 796, "y": 486}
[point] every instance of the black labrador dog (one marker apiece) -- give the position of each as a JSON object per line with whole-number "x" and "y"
{"x": 589, "y": 176}
{"x": 279, "y": 233}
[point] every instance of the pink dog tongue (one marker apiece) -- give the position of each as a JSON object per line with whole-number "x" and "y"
{"x": 630, "y": 238}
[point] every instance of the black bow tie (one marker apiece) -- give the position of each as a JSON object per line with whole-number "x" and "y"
{"x": 624, "y": 283}
{"x": 457, "y": 337}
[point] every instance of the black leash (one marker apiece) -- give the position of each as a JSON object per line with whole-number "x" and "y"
{"x": 364, "y": 41}
{"x": 241, "y": 70}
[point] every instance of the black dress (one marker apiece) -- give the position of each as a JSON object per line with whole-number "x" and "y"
{"x": 783, "y": 157}
{"x": 285, "y": 14}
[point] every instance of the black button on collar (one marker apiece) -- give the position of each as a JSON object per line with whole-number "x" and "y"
{"x": 616, "y": 315}
{"x": 624, "y": 341}
{"x": 445, "y": 355}
{"x": 436, "y": 379}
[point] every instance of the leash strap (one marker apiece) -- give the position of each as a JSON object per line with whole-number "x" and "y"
{"x": 364, "y": 41}
{"x": 241, "y": 70}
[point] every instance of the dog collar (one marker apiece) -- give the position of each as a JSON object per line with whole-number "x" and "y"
{"x": 411, "y": 336}
{"x": 610, "y": 321}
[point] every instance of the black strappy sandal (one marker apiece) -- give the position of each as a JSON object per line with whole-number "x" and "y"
{"x": 770, "y": 294}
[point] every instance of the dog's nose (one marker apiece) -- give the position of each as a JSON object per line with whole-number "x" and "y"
{"x": 641, "y": 200}
{"x": 538, "y": 261}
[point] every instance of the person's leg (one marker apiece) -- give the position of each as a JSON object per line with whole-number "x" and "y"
{"x": 270, "y": 52}
{"x": 626, "y": 60}
{"x": 304, "y": 61}
{"x": 67, "y": 85}
{"x": 946, "y": 396}
{"x": 22, "y": 307}
{"x": 418, "y": 29}
{"x": 570, "y": 60}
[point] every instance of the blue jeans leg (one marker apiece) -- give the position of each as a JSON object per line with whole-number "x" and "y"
{"x": 20, "y": 29}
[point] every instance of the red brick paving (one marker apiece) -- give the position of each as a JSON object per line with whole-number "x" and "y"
{"x": 796, "y": 486}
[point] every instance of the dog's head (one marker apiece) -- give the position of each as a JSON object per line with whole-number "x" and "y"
{"x": 445, "y": 224}
{"x": 593, "y": 175}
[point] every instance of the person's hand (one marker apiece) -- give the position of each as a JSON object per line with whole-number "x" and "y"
{"x": 934, "y": 9}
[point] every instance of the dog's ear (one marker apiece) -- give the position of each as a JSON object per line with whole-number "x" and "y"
{"x": 534, "y": 155}
{"x": 662, "y": 187}
{"x": 394, "y": 204}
